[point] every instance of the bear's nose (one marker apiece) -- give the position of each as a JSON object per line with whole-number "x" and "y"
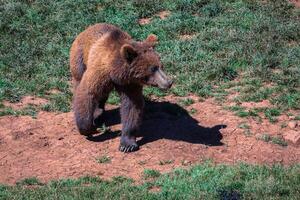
{"x": 170, "y": 83}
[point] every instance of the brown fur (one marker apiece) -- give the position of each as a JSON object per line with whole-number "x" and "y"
{"x": 104, "y": 57}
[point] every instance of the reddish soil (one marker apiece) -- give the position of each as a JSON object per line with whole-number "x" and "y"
{"x": 296, "y": 3}
{"x": 162, "y": 15}
{"x": 25, "y": 101}
{"x": 50, "y": 147}
{"x": 187, "y": 37}
{"x": 144, "y": 21}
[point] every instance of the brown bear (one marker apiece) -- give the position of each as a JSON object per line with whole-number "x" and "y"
{"x": 103, "y": 58}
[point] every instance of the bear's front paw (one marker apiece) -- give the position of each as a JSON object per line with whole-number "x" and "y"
{"x": 128, "y": 144}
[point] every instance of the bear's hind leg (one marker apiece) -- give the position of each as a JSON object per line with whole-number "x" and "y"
{"x": 132, "y": 105}
{"x": 77, "y": 65}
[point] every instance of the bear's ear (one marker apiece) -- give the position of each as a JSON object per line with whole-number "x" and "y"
{"x": 152, "y": 39}
{"x": 128, "y": 53}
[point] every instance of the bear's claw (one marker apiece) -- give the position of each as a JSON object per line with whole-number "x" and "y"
{"x": 129, "y": 148}
{"x": 128, "y": 144}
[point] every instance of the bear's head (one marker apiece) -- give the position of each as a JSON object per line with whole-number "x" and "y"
{"x": 144, "y": 63}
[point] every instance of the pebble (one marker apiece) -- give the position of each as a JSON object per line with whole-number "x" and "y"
{"x": 292, "y": 124}
{"x": 292, "y": 137}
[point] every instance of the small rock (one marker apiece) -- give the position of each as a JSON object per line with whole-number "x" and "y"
{"x": 100, "y": 173}
{"x": 223, "y": 150}
{"x": 259, "y": 136}
{"x": 196, "y": 148}
{"x": 186, "y": 162}
{"x": 46, "y": 144}
{"x": 292, "y": 124}
{"x": 292, "y": 137}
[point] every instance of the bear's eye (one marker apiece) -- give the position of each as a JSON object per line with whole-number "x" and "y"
{"x": 154, "y": 69}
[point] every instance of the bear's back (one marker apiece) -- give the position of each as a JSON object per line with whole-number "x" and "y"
{"x": 94, "y": 33}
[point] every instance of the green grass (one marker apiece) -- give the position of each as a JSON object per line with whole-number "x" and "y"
{"x": 103, "y": 159}
{"x": 28, "y": 110}
{"x": 253, "y": 43}
{"x": 206, "y": 181}
{"x": 247, "y": 132}
{"x": 271, "y": 114}
{"x": 29, "y": 182}
{"x": 113, "y": 99}
{"x": 151, "y": 173}
{"x": 186, "y": 102}
{"x": 275, "y": 140}
{"x": 193, "y": 111}
{"x": 244, "y": 126}
{"x": 265, "y": 137}
{"x": 242, "y": 112}
{"x": 279, "y": 141}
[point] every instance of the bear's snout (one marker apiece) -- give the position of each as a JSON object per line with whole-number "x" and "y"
{"x": 162, "y": 80}
{"x": 170, "y": 83}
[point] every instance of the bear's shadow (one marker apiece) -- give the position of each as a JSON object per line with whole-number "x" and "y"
{"x": 165, "y": 120}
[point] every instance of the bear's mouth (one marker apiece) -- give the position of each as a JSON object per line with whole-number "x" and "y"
{"x": 145, "y": 79}
{"x": 158, "y": 79}
{"x": 148, "y": 80}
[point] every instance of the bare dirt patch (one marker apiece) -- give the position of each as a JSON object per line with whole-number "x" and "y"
{"x": 262, "y": 104}
{"x": 162, "y": 15}
{"x": 296, "y": 3}
{"x": 54, "y": 91}
{"x": 50, "y": 147}
{"x": 25, "y": 101}
{"x": 187, "y": 37}
{"x": 144, "y": 21}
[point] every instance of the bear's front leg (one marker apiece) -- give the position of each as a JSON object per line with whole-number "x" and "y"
{"x": 84, "y": 106}
{"x": 132, "y": 105}
{"x": 92, "y": 91}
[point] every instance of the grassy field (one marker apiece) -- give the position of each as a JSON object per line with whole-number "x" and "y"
{"x": 247, "y": 45}
{"x": 200, "y": 182}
